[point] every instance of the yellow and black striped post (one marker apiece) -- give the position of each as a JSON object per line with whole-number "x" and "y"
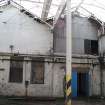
{"x": 68, "y": 53}
{"x": 68, "y": 90}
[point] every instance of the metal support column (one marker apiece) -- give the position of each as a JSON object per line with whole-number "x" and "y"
{"x": 68, "y": 53}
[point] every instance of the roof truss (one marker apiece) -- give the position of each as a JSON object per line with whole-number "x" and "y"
{"x": 46, "y": 8}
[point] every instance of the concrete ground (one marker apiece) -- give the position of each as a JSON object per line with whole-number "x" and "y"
{"x": 19, "y": 101}
{"x": 94, "y": 101}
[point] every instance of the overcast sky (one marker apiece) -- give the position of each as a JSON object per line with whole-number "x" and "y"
{"x": 36, "y": 8}
{"x": 96, "y": 7}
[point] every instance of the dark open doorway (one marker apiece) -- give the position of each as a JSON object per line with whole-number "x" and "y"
{"x": 82, "y": 84}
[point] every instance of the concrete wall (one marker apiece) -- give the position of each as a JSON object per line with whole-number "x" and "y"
{"x": 45, "y": 89}
{"x": 28, "y": 37}
{"x": 58, "y": 76}
{"x": 53, "y": 80}
{"x": 95, "y": 89}
{"x": 18, "y": 89}
{"x": 103, "y": 82}
{"x": 101, "y": 44}
{"x": 24, "y": 33}
{"x": 60, "y": 37}
{"x": 82, "y": 29}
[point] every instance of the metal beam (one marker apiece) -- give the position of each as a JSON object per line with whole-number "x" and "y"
{"x": 82, "y": 1}
{"x": 59, "y": 11}
{"x": 45, "y": 11}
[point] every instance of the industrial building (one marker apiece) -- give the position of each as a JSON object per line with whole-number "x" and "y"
{"x": 32, "y": 55}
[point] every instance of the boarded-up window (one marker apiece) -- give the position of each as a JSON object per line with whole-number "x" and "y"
{"x": 91, "y": 47}
{"x": 16, "y": 69}
{"x": 37, "y": 71}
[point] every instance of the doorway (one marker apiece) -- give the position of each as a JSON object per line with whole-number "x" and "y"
{"x": 82, "y": 84}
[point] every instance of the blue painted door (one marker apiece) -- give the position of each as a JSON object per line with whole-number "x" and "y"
{"x": 74, "y": 84}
